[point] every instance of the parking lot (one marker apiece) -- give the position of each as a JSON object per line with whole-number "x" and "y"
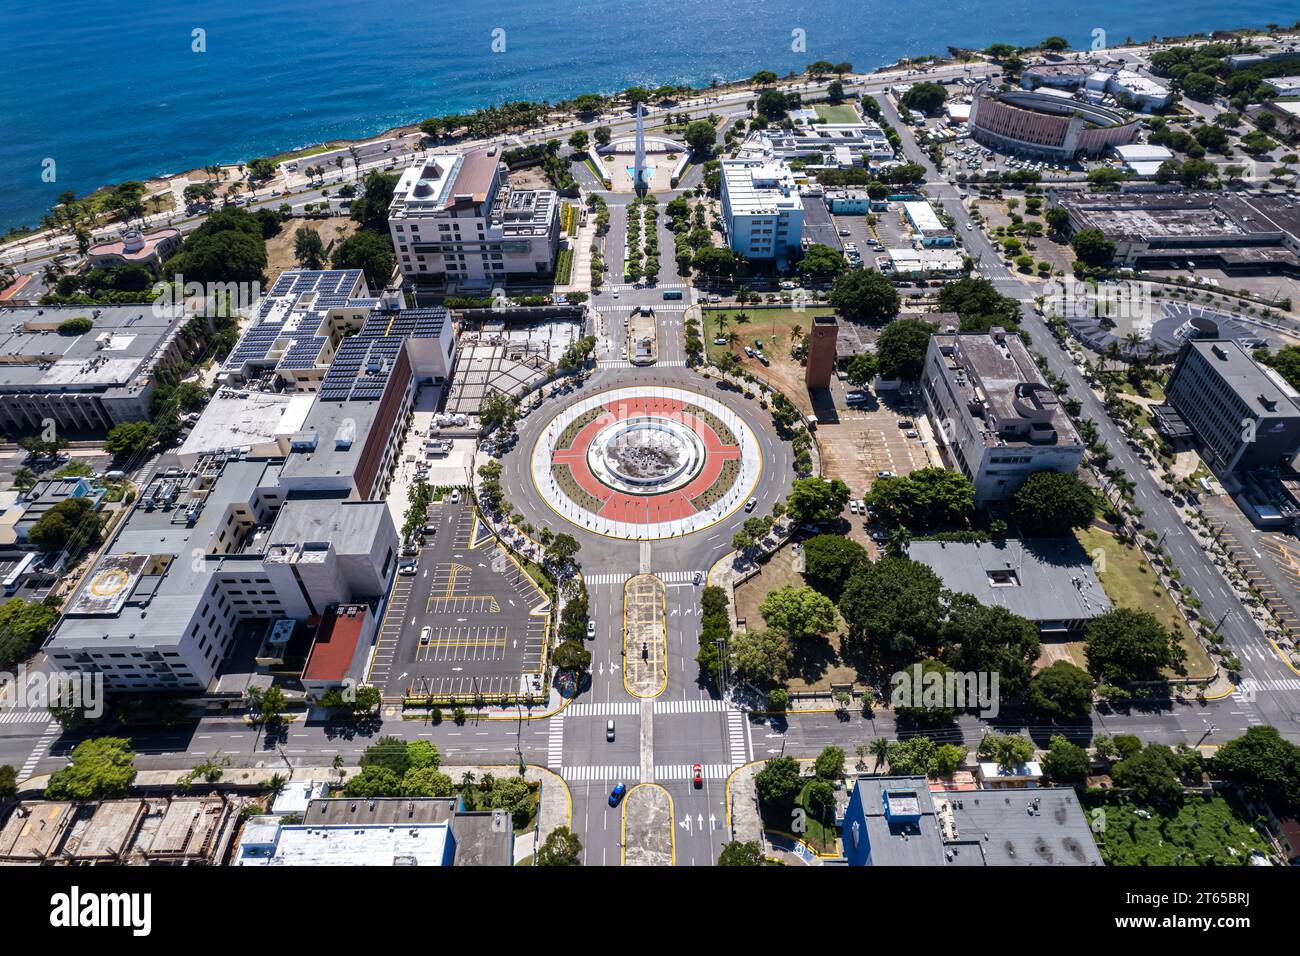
{"x": 468, "y": 624}
{"x": 858, "y": 442}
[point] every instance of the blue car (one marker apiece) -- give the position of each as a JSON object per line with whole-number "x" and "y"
{"x": 616, "y": 794}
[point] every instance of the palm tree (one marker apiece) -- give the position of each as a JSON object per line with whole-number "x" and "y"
{"x": 796, "y": 332}
{"x": 880, "y": 750}
{"x": 740, "y": 318}
{"x": 1112, "y": 351}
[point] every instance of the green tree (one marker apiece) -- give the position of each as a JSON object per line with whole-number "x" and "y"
{"x": 1061, "y": 691}
{"x": 861, "y": 369}
{"x": 572, "y": 656}
{"x": 762, "y": 657}
{"x": 901, "y": 348}
{"x": 1065, "y": 762}
{"x": 894, "y": 602}
{"x": 864, "y": 295}
{"x": 371, "y": 208}
{"x": 926, "y": 499}
{"x": 798, "y": 612}
{"x": 947, "y": 760}
{"x": 578, "y": 141}
{"x": 70, "y": 524}
{"x": 700, "y": 135}
{"x": 830, "y": 560}
{"x": 308, "y": 248}
{"x": 1092, "y": 247}
{"x": 924, "y": 96}
{"x": 560, "y": 848}
{"x": 371, "y": 253}
{"x": 130, "y": 438}
{"x": 779, "y": 782}
{"x": 1051, "y": 503}
{"x": 829, "y": 764}
{"x": 1152, "y": 775}
{"x": 425, "y": 782}
{"x": 8, "y": 781}
{"x": 1265, "y": 765}
{"x": 101, "y": 767}
{"x": 976, "y": 638}
{"x": 389, "y": 752}
{"x": 822, "y": 262}
{"x": 374, "y": 781}
{"x": 1126, "y": 645}
{"x": 817, "y": 500}
{"x": 741, "y": 853}
{"x": 1009, "y": 750}
{"x": 23, "y": 626}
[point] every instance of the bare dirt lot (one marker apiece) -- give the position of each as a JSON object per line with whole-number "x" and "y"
{"x": 279, "y": 248}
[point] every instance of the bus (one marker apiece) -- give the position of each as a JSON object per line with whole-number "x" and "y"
{"x": 15, "y": 578}
{"x": 672, "y": 293}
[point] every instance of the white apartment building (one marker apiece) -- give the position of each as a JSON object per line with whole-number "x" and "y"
{"x": 993, "y": 414}
{"x": 762, "y": 209}
{"x": 455, "y": 219}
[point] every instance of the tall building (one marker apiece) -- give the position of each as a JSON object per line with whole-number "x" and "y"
{"x": 993, "y": 414}
{"x": 210, "y": 554}
{"x": 456, "y": 219}
{"x": 762, "y": 209}
{"x": 1244, "y": 415}
{"x": 821, "y": 352}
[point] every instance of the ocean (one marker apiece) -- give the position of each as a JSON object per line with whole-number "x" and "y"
{"x": 94, "y": 93}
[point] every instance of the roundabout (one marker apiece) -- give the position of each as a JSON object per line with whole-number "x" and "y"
{"x": 645, "y": 463}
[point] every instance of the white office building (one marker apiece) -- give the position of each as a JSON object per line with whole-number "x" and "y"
{"x": 762, "y": 209}
{"x": 456, "y": 219}
{"x": 822, "y": 145}
{"x": 993, "y": 415}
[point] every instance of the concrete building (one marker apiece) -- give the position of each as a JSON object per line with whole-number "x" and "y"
{"x": 211, "y": 555}
{"x": 762, "y": 209}
{"x": 926, "y": 224}
{"x": 939, "y": 261}
{"x": 993, "y": 414}
{"x": 154, "y": 831}
{"x": 1236, "y": 232}
{"x": 84, "y": 383}
{"x": 1050, "y": 581}
{"x": 1099, "y": 84}
{"x": 898, "y": 821}
{"x": 342, "y": 831}
{"x": 455, "y": 219}
{"x": 340, "y": 651}
{"x": 821, "y": 145}
{"x": 1039, "y": 123}
{"x": 1244, "y": 415}
{"x": 821, "y": 351}
{"x": 1142, "y": 159}
{"x": 150, "y": 249}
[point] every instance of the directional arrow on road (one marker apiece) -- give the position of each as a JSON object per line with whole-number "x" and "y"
{"x": 685, "y": 824}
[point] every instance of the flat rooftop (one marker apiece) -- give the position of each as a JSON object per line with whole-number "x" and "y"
{"x": 759, "y": 188}
{"x": 1184, "y": 215}
{"x": 995, "y": 376}
{"x": 1265, "y": 392}
{"x": 115, "y": 353}
{"x": 1042, "y": 579}
{"x": 237, "y": 418}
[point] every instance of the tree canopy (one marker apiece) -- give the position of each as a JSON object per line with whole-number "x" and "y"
{"x": 894, "y": 602}
{"x": 926, "y": 499}
{"x": 864, "y": 295}
{"x": 101, "y": 767}
{"x": 901, "y": 348}
{"x": 1126, "y": 645}
{"x": 817, "y": 500}
{"x": 798, "y": 612}
{"x": 1051, "y": 503}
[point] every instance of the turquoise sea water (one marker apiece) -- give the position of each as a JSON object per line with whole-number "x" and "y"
{"x": 116, "y": 91}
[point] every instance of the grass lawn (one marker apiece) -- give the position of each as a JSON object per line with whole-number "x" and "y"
{"x": 837, "y": 113}
{"x": 1205, "y": 830}
{"x": 822, "y": 837}
{"x": 772, "y": 325}
{"x": 1129, "y": 581}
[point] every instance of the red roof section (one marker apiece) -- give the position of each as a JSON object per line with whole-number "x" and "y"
{"x": 336, "y": 643}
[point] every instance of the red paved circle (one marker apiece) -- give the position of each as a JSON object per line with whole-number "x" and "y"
{"x": 650, "y": 508}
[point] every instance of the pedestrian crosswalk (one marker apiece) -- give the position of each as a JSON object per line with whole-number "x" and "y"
{"x": 736, "y": 737}
{"x": 683, "y": 771}
{"x": 42, "y": 747}
{"x": 701, "y": 706}
{"x": 607, "y": 709}
{"x": 24, "y": 716}
{"x": 1248, "y": 689}
{"x": 668, "y": 577}
{"x": 608, "y": 363}
{"x": 615, "y": 773}
{"x": 555, "y": 743}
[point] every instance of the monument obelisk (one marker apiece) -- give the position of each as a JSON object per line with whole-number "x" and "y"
{"x": 639, "y": 182}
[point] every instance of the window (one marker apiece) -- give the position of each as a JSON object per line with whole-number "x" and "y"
{"x": 1003, "y": 578}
